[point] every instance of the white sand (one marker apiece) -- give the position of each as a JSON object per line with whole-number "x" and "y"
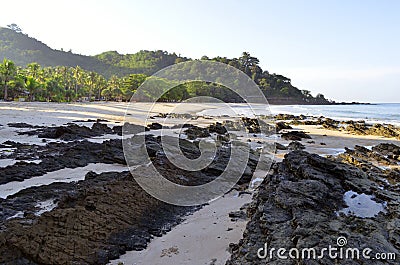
{"x": 57, "y": 114}
{"x": 44, "y": 113}
{"x": 200, "y": 239}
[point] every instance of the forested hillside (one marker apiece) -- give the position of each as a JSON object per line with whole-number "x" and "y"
{"x": 34, "y": 71}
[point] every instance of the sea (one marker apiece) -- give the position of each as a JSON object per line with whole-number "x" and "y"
{"x": 373, "y": 113}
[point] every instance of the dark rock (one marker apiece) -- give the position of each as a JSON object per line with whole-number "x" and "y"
{"x": 329, "y": 124}
{"x": 57, "y": 156}
{"x": 282, "y": 126}
{"x": 96, "y": 220}
{"x": 297, "y": 206}
{"x": 101, "y": 128}
{"x": 289, "y": 117}
{"x": 102, "y": 216}
{"x": 252, "y": 125}
{"x": 237, "y": 215}
{"x": 295, "y": 136}
{"x": 129, "y": 128}
{"x": 92, "y": 120}
{"x": 23, "y": 125}
{"x": 294, "y": 146}
{"x": 223, "y": 138}
{"x": 70, "y": 132}
{"x": 194, "y": 132}
{"x": 280, "y": 146}
{"x": 155, "y": 126}
{"x": 217, "y": 128}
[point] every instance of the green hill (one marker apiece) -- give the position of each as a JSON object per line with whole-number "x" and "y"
{"x": 143, "y": 62}
{"x": 23, "y": 50}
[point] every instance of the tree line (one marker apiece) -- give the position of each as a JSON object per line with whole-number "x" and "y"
{"x": 66, "y": 84}
{"x": 63, "y": 84}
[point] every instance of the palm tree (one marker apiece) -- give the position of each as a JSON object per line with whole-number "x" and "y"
{"x": 113, "y": 83}
{"x": 101, "y": 83}
{"x": 90, "y": 82}
{"x": 32, "y": 86}
{"x": 79, "y": 76}
{"x": 7, "y": 73}
{"x": 106, "y": 93}
{"x": 33, "y": 70}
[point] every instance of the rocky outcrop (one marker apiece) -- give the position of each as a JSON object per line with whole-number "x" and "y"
{"x": 279, "y": 146}
{"x": 96, "y": 220}
{"x": 281, "y": 116}
{"x": 55, "y": 156}
{"x": 301, "y": 203}
{"x": 194, "y": 132}
{"x": 70, "y": 132}
{"x": 282, "y": 126}
{"x": 359, "y": 127}
{"x": 101, "y": 217}
{"x": 295, "y": 146}
{"x": 155, "y": 126}
{"x": 250, "y": 125}
{"x": 295, "y": 136}
{"x": 217, "y": 128}
{"x": 22, "y": 125}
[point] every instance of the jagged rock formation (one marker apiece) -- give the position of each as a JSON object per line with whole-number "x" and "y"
{"x": 303, "y": 204}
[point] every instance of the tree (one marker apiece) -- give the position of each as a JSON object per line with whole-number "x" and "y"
{"x": 113, "y": 88}
{"x": 78, "y": 76}
{"x": 247, "y": 62}
{"x": 33, "y": 69}
{"x": 106, "y": 94}
{"x": 101, "y": 83}
{"x": 7, "y": 73}
{"x": 90, "y": 83}
{"x": 306, "y": 93}
{"x": 14, "y": 27}
{"x": 32, "y": 86}
{"x": 131, "y": 83}
{"x": 54, "y": 91}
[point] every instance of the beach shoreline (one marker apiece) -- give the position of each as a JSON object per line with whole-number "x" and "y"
{"x": 180, "y": 242}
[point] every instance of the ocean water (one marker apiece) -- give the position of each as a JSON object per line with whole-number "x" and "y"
{"x": 382, "y": 113}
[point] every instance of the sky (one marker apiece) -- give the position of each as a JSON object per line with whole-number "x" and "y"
{"x": 346, "y": 50}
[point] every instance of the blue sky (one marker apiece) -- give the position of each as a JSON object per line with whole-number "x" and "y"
{"x": 347, "y": 50}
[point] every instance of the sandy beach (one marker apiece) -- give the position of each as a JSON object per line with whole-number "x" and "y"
{"x": 202, "y": 237}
